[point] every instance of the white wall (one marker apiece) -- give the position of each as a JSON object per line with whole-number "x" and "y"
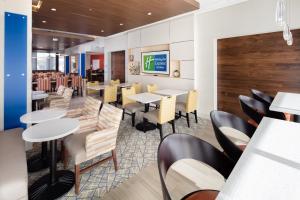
{"x": 178, "y": 33}
{"x": 251, "y": 17}
{"x": 94, "y": 46}
{"x": 112, "y": 44}
{"x": 19, "y": 7}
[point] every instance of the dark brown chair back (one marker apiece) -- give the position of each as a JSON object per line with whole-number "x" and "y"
{"x": 254, "y": 109}
{"x": 182, "y": 146}
{"x": 223, "y": 119}
{"x": 262, "y": 97}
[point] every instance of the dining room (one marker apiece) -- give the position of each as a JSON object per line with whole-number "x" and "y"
{"x": 151, "y": 100}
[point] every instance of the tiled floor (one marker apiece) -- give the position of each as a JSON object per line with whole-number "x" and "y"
{"x": 135, "y": 151}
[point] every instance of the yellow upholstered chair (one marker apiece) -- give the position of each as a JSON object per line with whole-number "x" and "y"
{"x": 89, "y": 92}
{"x": 129, "y": 105}
{"x": 115, "y": 82}
{"x": 63, "y": 102}
{"x": 190, "y": 106}
{"x": 110, "y": 94}
{"x": 137, "y": 87}
{"x": 152, "y": 88}
{"x": 165, "y": 114}
{"x": 98, "y": 141}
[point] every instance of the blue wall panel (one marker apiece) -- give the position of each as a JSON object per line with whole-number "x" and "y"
{"x": 82, "y": 63}
{"x": 67, "y": 71}
{"x": 15, "y": 69}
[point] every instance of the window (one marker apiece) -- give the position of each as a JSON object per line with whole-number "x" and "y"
{"x": 44, "y": 61}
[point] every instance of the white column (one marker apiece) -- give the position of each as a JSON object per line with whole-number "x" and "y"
{"x": 19, "y": 7}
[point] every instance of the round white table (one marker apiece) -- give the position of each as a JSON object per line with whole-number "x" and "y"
{"x": 40, "y": 161}
{"x": 40, "y": 116}
{"x": 56, "y": 183}
{"x": 37, "y": 97}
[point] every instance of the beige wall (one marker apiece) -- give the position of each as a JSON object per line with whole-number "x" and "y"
{"x": 251, "y": 17}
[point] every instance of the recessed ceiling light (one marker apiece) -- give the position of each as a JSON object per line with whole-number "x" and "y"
{"x": 121, "y": 24}
{"x": 102, "y": 31}
{"x": 90, "y": 9}
{"x": 72, "y": 42}
{"x": 55, "y": 39}
{"x": 149, "y": 13}
{"x": 44, "y": 21}
{"x": 53, "y": 9}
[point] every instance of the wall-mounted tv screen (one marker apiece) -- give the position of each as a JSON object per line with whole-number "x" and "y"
{"x": 156, "y": 62}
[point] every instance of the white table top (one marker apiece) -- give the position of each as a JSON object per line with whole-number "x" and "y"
{"x": 42, "y": 116}
{"x": 38, "y": 92}
{"x": 269, "y": 168}
{"x": 170, "y": 92}
{"x": 51, "y": 130}
{"x": 145, "y": 98}
{"x": 96, "y": 87}
{"x": 123, "y": 85}
{"x": 286, "y": 103}
{"x": 39, "y": 96}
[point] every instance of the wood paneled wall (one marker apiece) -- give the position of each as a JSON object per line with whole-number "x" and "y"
{"x": 262, "y": 62}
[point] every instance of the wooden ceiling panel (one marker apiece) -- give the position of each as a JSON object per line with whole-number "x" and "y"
{"x": 92, "y": 16}
{"x": 42, "y": 40}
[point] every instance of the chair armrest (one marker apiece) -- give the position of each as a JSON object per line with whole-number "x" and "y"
{"x": 59, "y": 103}
{"x": 87, "y": 125}
{"x": 101, "y": 142}
{"x": 52, "y": 97}
{"x": 74, "y": 113}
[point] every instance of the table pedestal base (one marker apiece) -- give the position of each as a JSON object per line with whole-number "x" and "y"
{"x": 148, "y": 126}
{"x": 43, "y": 189}
{"x": 41, "y": 161}
{"x": 37, "y": 163}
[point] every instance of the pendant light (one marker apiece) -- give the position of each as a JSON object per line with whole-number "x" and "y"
{"x": 281, "y": 18}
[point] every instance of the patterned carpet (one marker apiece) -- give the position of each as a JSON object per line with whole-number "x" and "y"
{"x": 135, "y": 151}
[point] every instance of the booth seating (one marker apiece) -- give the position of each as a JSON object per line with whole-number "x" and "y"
{"x": 13, "y": 166}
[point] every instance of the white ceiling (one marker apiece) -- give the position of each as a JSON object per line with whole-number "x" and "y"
{"x": 211, "y": 4}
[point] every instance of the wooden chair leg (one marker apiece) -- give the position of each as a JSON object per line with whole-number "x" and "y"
{"x": 159, "y": 126}
{"x": 123, "y": 115}
{"x": 196, "y": 117}
{"x": 77, "y": 178}
{"x": 133, "y": 119}
{"x": 188, "y": 119}
{"x": 173, "y": 125}
{"x": 180, "y": 114}
{"x": 114, "y": 155}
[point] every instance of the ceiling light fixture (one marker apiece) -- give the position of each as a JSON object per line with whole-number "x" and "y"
{"x": 121, "y": 24}
{"x": 55, "y": 39}
{"x": 102, "y": 31}
{"x": 44, "y": 21}
{"x": 90, "y": 9}
{"x": 282, "y": 19}
{"x": 53, "y": 9}
{"x": 149, "y": 13}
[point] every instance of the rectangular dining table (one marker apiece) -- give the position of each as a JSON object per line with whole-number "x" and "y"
{"x": 145, "y": 98}
{"x": 286, "y": 103}
{"x": 170, "y": 92}
{"x": 269, "y": 167}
